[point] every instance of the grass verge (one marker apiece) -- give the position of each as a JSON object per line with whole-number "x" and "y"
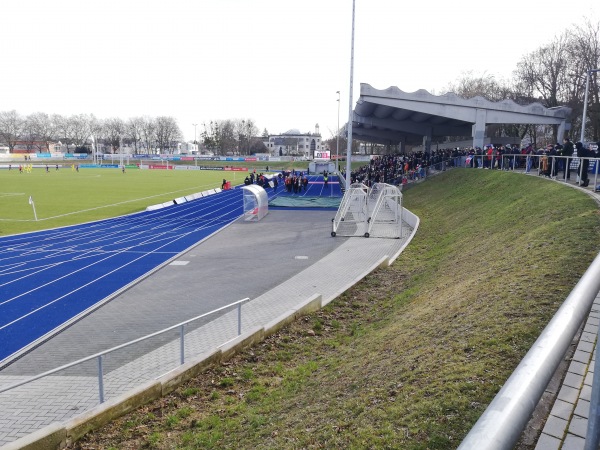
{"x": 410, "y": 356}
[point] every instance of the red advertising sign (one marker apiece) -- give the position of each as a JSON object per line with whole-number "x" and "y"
{"x": 159, "y": 167}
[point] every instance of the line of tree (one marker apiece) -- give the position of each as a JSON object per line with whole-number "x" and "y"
{"x": 239, "y": 136}
{"x": 553, "y": 75}
{"x": 38, "y": 131}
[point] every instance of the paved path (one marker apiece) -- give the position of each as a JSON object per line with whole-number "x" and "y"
{"x": 278, "y": 262}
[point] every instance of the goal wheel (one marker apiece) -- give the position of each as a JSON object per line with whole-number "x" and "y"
{"x": 333, "y": 234}
{"x": 366, "y": 235}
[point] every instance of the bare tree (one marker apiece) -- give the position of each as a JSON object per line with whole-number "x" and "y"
{"x": 227, "y": 136}
{"x": 585, "y": 55}
{"x": 134, "y": 130}
{"x": 167, "y": 133}
{"x": 113, "y": 130}
{"x": 485, "y": 85}
{"x": 63, "y": 129}
{"x": 148, "y": 133}
{"x": 79, "y": 129}
{"x": 210, "y": 136}
{"x": 43, "y": 128}
{"x": 546, "y": 72}
{"x": 11, "y": 128}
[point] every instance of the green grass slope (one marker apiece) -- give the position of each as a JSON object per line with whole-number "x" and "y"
{"x": 410, "y": 356}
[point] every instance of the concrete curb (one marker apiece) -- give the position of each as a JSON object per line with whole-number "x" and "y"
{"x": 51, "y": 436}
{"x": 111, "y": 409}
{"x": 310, "y": 305}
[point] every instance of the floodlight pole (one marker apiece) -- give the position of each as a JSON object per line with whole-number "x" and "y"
{"x": 349, "y": 127}
{"x": 337, "y": 145}
{"x": 585, "y": 102}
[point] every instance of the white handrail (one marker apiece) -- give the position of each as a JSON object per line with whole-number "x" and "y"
{"x": 126, "y": 344}
{"x": 502, "y": 423}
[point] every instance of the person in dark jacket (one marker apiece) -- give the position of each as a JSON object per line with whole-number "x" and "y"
{"x": 567, "y": 151}
{"x": 584, "y": 163}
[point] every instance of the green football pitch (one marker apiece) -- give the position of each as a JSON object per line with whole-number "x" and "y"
{"x": 66, "y": 196}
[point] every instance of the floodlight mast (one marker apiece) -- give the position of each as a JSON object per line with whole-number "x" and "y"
{"x": 337, "y": 145}
{"x": 585, "y": 102}
{"x": 349, "y": 127}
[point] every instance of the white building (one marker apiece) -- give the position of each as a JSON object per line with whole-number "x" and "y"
{"x": 294, "y": 143}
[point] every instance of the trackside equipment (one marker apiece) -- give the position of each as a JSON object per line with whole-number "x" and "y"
{"x": 375, "y": 211}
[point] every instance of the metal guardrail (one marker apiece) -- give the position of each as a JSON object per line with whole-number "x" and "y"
{"x": 502, "y": 423}
{"x": 99, "y": 356}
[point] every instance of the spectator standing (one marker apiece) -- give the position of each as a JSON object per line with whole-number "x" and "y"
{"x": 584, "y": 164}
{"x": 568, "y": 152}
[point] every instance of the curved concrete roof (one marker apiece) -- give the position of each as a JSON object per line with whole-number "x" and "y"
{"x": 391, "y": 116}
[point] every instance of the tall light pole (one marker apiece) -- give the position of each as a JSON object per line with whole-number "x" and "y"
{"x": 337, "y": 145}
{"x": 349, "y": 128}
{"x": 585, "y": 101}
{"x": 195, "y": 142}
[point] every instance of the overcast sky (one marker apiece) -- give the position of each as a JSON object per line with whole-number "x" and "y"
{"x": 278, "y": 62}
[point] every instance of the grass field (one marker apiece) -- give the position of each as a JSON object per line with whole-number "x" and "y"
{"x": 66, "y": 197}
{"x": 410, "y": 356}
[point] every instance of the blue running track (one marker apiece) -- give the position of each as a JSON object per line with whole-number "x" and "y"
{"x": 49, "y": 277}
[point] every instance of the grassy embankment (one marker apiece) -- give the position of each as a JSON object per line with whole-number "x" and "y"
{"x": 410, "y": 356}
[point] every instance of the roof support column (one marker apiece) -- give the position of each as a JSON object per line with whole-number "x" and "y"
{"x": 427, "y": 141}
{"x": 479, "y": 128}
{"x": 563, "y": 127}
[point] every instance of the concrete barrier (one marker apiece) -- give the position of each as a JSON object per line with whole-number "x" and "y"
{"x": 105, "y": 412}
{"x": 49, "y": 437}
{"x": 187, "y": 371}
{"x": 244, "y": 340}
{"x": 310, "y": 305}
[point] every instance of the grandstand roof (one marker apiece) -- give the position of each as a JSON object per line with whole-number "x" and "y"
{"x": 391, "y": 116}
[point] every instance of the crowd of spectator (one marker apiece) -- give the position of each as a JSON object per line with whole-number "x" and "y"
{"x": 402, "y": 168}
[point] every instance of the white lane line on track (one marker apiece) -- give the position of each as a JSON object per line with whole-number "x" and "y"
{"x": 180, "y": 236}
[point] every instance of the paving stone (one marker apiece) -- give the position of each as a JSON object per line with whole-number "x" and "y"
{"x": 586, "y": 393}
{"x": 555, "y": 427}
{"x": 582, "y": 408}
{"x": 578, "y": 426}
{"x": 562, "y": 409}
{"x": 573, "y": 380}
{"x": 546, "y": 442}
{"x": 578, "y": 368}
{"x": 568, "y": 394}
{"x": 573, "y": 442}
{"x": 582, "y": 357}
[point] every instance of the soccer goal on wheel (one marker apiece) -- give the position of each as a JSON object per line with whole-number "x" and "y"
{"x": 375, "y": 211}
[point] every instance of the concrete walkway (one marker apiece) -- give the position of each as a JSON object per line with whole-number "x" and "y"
{"x": 279, "y": 262}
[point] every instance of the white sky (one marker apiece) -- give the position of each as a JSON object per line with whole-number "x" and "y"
{"x": 278, "y": 62}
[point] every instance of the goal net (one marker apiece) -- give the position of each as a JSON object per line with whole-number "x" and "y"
{"x": 375, "y": 211}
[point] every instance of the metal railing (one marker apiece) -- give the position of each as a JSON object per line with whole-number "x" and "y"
{"x": 502, "y": 423}
{"x": 100, "y": 356}
{"x": 550, "y": 165}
